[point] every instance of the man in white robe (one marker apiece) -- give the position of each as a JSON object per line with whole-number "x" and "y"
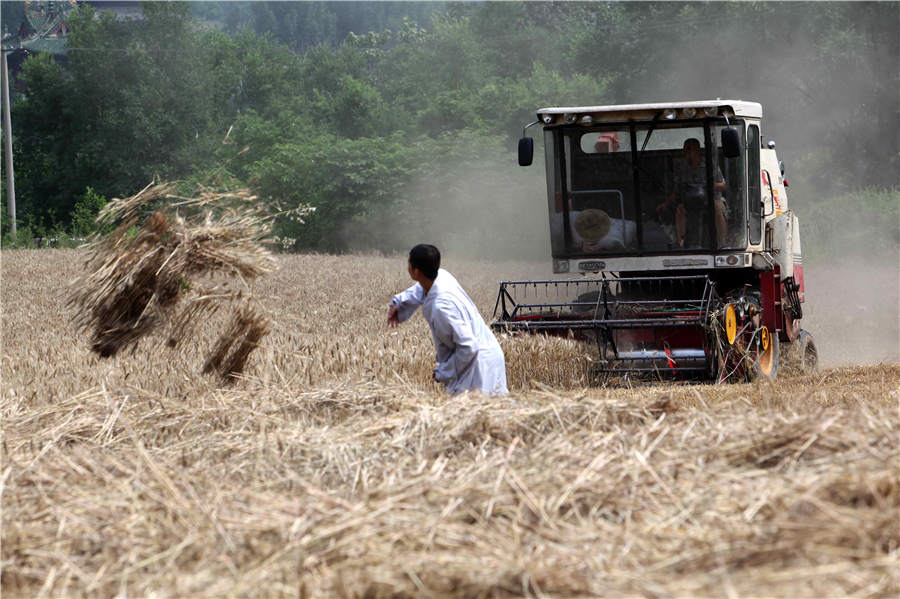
{"x": 468, "y": 355}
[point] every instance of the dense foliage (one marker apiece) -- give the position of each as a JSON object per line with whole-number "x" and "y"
{"x": 394, "y": 118}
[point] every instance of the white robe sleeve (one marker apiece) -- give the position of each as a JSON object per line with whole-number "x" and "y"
{"x": 452, "y": 332}
{"x": 408, "y": 301}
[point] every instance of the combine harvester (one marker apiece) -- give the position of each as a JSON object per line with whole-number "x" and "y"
{"x": 676, "y": 217}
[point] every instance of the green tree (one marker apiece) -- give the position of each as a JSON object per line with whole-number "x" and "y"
{"x": 248, "y": 72}
{"x": 344, "y": 179}
{"x": 133, "y": 103}
{"x": 84, "y": 214}
{"x": 45, "y": 126}
{"x": 370, "y": 111}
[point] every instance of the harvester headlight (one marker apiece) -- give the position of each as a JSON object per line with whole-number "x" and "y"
{"x": 669, "y": 114}
{"x": 711, "y": 111}
{"x": 689, "y": 112}
{"x": 547, "y": 119}
{"x": 587, "y": 119}
{"x": 570, "y": 118}
{"x": 729, "y": 260}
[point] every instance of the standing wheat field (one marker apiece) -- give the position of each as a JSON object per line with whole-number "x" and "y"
{"x": 334, "y": 467}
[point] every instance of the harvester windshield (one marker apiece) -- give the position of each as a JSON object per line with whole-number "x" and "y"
{"x": 644, "y": 188}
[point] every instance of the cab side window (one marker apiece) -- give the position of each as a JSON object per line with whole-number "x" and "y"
{"x": 753, "y": 185}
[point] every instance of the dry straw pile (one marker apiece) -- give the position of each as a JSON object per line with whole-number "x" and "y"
{"x": 157, "y": 268}
{"x": 334, "y": 468}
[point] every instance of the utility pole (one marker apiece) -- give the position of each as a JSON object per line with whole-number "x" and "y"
{"x": 7, "y": 134}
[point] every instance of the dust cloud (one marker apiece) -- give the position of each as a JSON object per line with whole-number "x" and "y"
{"x": 851, "y": 310}
{"x": 493, "y": 216}
{"x": 481, "y": 208}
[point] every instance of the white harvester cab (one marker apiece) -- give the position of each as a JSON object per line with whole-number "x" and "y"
{"x": 665, "y": 202}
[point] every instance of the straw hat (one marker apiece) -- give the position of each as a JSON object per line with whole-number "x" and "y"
{"x": 592, "y": 224}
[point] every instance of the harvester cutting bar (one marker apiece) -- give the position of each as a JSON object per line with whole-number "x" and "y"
{"x": 652, "y": 370}
{"x": 640, "y": 324}
{"x": 605, "y": 302}
{"x": 592, "y": 323}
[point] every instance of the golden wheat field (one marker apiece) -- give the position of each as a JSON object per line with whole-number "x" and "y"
{"x": 335, "y": 468}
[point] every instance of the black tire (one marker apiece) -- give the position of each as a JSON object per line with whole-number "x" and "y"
{"x": 807, "y": 354}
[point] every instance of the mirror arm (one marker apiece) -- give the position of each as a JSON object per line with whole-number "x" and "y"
{"x": 771, "y": 195}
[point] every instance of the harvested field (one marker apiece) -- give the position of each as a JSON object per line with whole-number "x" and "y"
{"x": 335, "y": 468}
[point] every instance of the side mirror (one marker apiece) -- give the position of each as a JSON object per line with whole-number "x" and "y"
{"x": 526, "y": 151}
{"x": 731, "y": 142}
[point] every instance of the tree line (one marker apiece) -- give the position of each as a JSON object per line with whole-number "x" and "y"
{"x": 397, "y": 120}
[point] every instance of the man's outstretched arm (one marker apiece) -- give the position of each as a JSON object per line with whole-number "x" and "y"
{"x": 404, "y": 304}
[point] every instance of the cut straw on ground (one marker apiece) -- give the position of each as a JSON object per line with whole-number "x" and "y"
{"x": 333, "y": 467}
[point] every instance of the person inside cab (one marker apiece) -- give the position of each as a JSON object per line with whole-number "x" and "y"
{"x": 687, "y": 204}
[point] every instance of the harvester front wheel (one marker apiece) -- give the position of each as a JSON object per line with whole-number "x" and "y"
{"x": 731, "y": 324}
{"x": 765, "y": 354}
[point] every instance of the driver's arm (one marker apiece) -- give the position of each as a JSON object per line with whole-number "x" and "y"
{"x": 719, "y": 183}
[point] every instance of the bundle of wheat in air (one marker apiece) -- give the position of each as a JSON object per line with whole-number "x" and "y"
{"x": 169, "y": 264}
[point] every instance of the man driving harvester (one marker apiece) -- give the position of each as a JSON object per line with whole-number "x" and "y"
{"x": 689, "y": 198}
